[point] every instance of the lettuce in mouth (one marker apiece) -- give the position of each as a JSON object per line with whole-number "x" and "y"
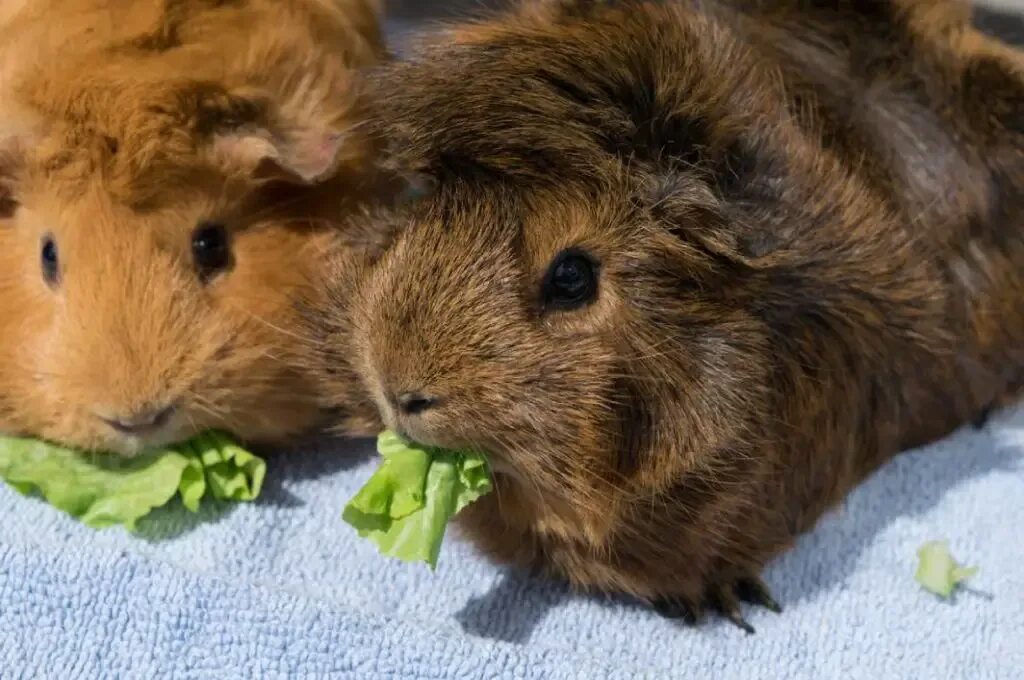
{"x": 103, "y": 490}
{"x": 407, "y": 503}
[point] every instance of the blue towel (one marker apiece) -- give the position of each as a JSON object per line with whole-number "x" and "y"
{"x": 283, "y": 587}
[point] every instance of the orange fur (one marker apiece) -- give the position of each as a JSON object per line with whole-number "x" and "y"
{"x": 125, "y": 125}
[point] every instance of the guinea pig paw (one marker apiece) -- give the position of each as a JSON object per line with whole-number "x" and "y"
{"x": 723, "y": 598}
{"x": 677, "y": 608}
{"x": 981, "y": 420}
{"x": 726, "y": 598}
{"x": 753, "y": 590}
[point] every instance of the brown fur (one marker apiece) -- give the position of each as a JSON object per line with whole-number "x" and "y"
{"x": 808, "y": 219}
{"x": 122, "y": 127}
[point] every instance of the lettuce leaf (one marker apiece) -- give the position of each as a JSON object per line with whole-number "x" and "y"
{"x": 937, "y": 571}
{"x": 405, "y": 506}
{"x": 103, "y": 490}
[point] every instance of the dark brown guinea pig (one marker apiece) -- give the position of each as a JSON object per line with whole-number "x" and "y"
{"x": 687, "y": 275}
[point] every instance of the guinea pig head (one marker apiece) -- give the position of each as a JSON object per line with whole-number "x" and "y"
{"x": 148, "y": 263}
{"x": 563, "y": 333}
{"x": 619, "y": 253}
{"x": 574, "y": 298}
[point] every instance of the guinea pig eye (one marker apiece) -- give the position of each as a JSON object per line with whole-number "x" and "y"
{"x": 211, "y": 249}
{"x": 571, "y": 281}
{"x": 50, "y": 262}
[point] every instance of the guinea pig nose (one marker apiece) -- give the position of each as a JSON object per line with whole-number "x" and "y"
{"x": 141, "y": 421}
{"x": 414, "y": 403}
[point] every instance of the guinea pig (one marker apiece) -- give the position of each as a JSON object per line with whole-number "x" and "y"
{"x": 688, "y": 272}
{"x": 169, "y": 185}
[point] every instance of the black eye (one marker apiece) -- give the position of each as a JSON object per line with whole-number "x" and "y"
{"x": 50, "y": 262}
{"x": 571, "y": 281}
{"x": 211, "y": 249}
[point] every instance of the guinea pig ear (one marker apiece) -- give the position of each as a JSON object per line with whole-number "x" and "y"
{"x": 249, "y": 134}
{"x": 729, "y": 213}
{"x": 13, "y": 144}
{"x": 7, "y": 202}
{"x": 303, "y": 155}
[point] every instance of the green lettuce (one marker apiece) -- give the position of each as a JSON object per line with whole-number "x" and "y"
{"x": 103, "y": 490}
{"x": 405, "y": 506}
{"x": 937, "y": 571}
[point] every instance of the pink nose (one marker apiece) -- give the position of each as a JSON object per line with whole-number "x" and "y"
{"x": 141, "y": 422}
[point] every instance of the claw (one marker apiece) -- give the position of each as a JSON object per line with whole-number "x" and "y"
{"x": 724, "y": 600}
{"x": 982, "y": 419}
{"x": 675, "y": 608}
{"x": 754, "y": 591}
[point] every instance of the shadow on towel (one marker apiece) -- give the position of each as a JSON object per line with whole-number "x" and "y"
{"x": 821, "y": 561}
{"x": 304, "y": 460}
{"x": 173, "y": 520}
{"x": 908, "y": 486}
{"x": 517, "y": 604}
{"x": 310, "y": 459}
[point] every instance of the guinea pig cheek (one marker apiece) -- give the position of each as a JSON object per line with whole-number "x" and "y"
{"x": 576, "y": 464}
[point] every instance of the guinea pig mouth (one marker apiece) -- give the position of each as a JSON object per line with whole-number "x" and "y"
{"x": 131, "y": 444}
{"x": 428, "y": 437}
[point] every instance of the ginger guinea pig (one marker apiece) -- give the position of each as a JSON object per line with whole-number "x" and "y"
{"x": 167, "y": 190}
{"x": 675, "y": 275}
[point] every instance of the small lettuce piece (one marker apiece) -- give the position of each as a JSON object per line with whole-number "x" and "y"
{"x": 405, "y": 506}
{"x": 103, "y": 490}
{"x": 192, "y": 486}
{"x": 937, "y": 571}
{"x": 231, "y": 472}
